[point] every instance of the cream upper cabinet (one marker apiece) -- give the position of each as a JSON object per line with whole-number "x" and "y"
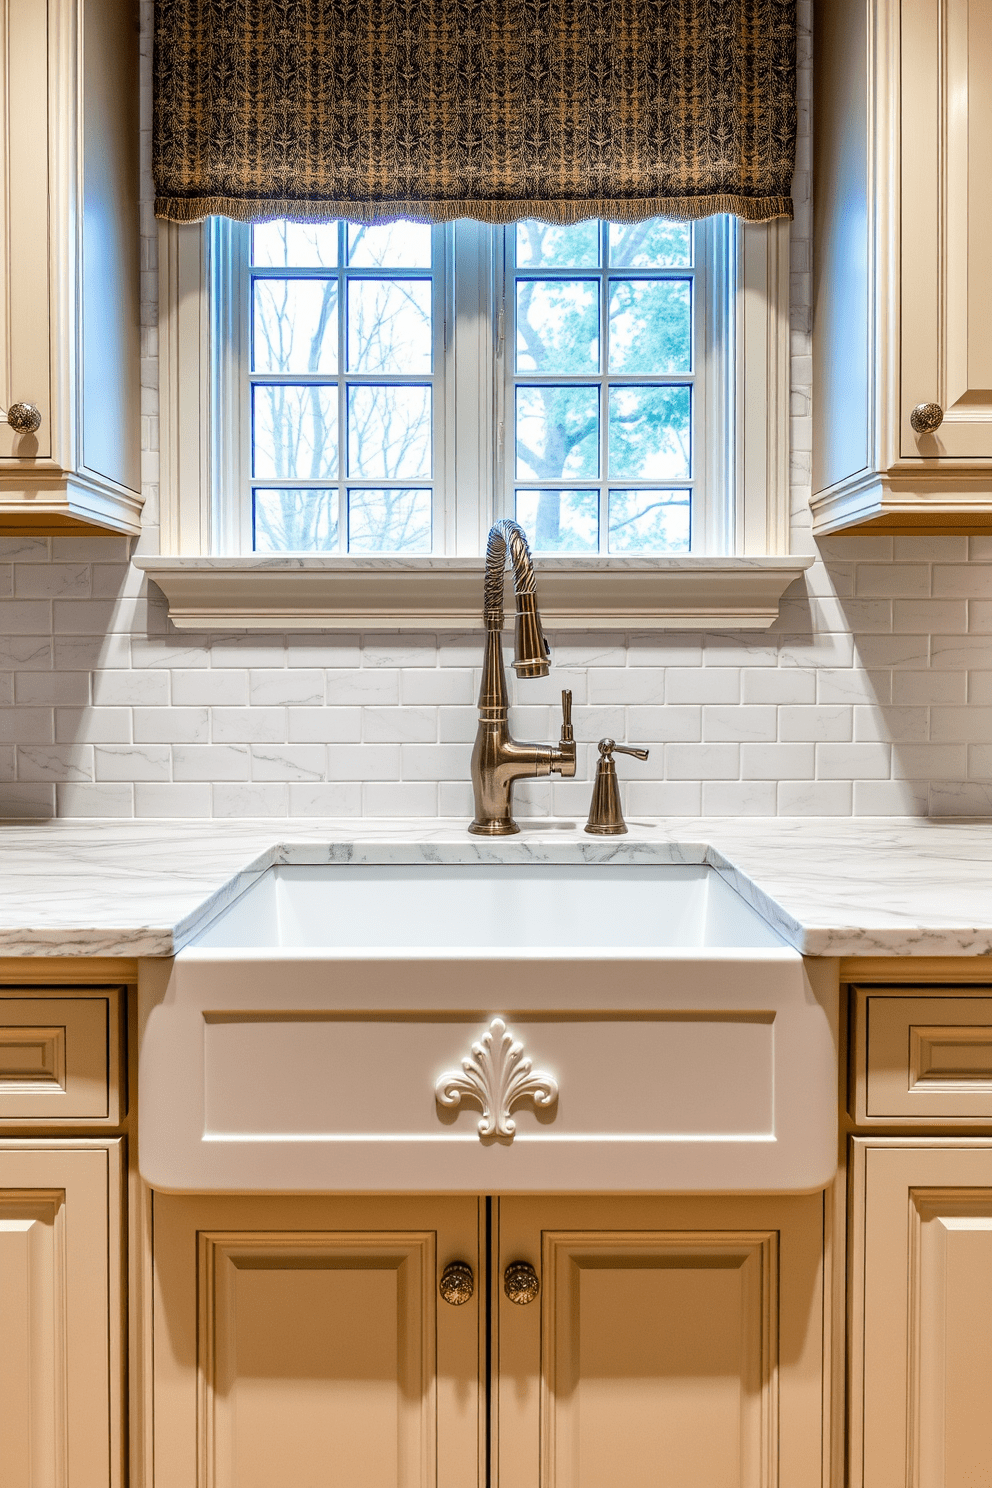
{"x": 70, "y": 427}
{"x": 921, "y": 1350}
{"x": 903, "y": 265}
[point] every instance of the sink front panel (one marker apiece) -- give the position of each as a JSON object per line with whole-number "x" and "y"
{"x": 317, "y": 1072}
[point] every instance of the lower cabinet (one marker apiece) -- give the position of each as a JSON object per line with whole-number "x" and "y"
{"x": 922, "y": 1313}
{"x": 306, "y": 1341}
{"x": 60, "y": 1315}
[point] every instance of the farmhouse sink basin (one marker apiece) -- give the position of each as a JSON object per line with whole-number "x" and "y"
{"x": 509, "y": 907}
{"x": 452, "y": 1027}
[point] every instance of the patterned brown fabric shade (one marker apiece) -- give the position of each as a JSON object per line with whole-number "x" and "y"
{"x": 491, "y": 109}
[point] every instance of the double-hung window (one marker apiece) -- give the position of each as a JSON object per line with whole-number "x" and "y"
{"x": 391, "y": 389}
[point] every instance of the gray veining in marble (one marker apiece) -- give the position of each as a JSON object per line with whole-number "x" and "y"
{"x": 852, "y": 887}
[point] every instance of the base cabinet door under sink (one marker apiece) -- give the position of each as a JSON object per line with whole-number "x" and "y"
{"x": 304, "y": 1340}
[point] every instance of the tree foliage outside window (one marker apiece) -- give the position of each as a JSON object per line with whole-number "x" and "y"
{"x": 345, "y": 386}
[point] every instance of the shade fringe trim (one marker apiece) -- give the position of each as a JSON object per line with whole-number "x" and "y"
{"x": 190, "y": 209}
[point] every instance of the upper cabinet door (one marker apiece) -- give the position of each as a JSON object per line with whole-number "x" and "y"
{"x": 671, "y": 1340}
{"x": 946, "y": 245}
{"x": 70, "y": 413}
{"x": 305, "y": 1341}
{"x": 25, "y": 310}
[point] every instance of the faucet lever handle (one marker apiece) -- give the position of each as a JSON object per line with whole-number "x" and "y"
{"x": 567, "y": 735}
{"x": 640, "y": 754}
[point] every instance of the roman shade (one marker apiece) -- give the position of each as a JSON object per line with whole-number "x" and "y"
{"x": 491, "y": 109}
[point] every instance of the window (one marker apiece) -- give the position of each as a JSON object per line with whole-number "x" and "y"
{"x": 359, "y": 348}
{"x": 346, "y": 409}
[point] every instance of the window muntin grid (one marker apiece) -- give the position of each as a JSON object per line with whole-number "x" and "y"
{"x": 346, "y": 359}
{"x": 601, "y": 398}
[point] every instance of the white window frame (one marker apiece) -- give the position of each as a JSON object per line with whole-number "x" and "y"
{"x": 734, "y": 579}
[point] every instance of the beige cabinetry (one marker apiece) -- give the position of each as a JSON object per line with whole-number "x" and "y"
{"x": 60, "y": 1314}
{"x": 903, "y": 266}
{"x": 921, "y": 1353}
{"x": 293, "y": 1332}
{"x": 920, "y": 1262}
{"x": 69, "y": 372}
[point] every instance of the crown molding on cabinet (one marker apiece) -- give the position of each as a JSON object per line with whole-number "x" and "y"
{"x": 315, "y": 593}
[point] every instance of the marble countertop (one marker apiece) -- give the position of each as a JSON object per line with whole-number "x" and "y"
{"x": 867, "y": 887}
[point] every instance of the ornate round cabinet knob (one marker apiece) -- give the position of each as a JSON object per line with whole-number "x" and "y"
{"x": 520, "y": 1282}
{"x": 926, "y": 417}
{"x": 457, "y": 1283}
{"x": 23, "y": 418}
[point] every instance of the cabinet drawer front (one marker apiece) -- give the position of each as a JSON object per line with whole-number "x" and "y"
{"x": 927, "y": 1056}
{"x": 59, "y": 1058}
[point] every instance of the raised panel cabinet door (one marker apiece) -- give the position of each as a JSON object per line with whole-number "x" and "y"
{"x": 673, "y": 1341}
{"x": 946, "y": 218}
{"x": 921, "y": 1393}
{"x": 25, "y": 227}
{"x": 60, "y": 1323}
{"x": 304, "y": 1341}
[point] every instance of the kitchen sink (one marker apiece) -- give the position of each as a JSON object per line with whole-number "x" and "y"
{"x": 490, "y": 1028}
{"x": 512, "y": 907}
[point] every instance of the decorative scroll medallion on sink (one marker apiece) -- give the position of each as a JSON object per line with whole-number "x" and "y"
{"x": 498, "y": 1075}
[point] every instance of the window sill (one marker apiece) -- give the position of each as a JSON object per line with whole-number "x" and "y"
{"x": 315, "y": 593}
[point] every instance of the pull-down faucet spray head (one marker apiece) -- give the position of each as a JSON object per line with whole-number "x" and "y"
{"x": 531, "y": 652}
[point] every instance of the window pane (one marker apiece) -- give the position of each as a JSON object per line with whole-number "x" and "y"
{"x": 295, "y": 325}
{"x": 650, "y": 432}
{"x": 389, "y": 325}
{"x": 560, "y": 521}
{"x": 657, "y": 244}
{"x": 650, "y": 521}
{"x": 393, "y": 245}
{"x": 558, "y": 325}
{"x": 295, "y": 245}
{"x": 389, "y": 432}
{"x": 557, "y": 432}
{"x": 650, "y": 325}
{"x": 389, "y": 521}
{"x": 294, "y": 431}
{"x": 289, "y": 521}
{"x": 540, "y": 245}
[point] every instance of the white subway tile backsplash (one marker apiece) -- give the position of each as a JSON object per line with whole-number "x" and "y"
{"x": 740, "y": 724}
{"x": 814, "y": 798}
{"x": 435, "y": 761}
{"x": 325, "y": 725}
{"x": 437, "y": 685}
{"x": 331, "y": 798}
{"x": 627, "y": 687}
{"x": 801, "y": 725}
{"x": 363, "y": 761}
{"x": 92, "y": 725}
{"x": 778, "y": 762}
{"x": 739, "y": 797}
{"x": 131, "y": 689}
{"x": 48, "y": 581}
{"x": 400, "y": 798}
{"x": 675, "y": 725}
{"x": 663, "y": 798}
{"x": 132, "y": 761}
{"x": 248, "y": 725}
{"x": 172, "y": 800}
{"x": 704, "y": 685}
{"x": 890, "y": 798}
{"x": 971, "y": 725}
{"x": 702, "y": 761}
{"x": 27, "y": 725}
{"x": 35, "y": 689}
{"x": 55, "y": 762}
{"x": 362, "y": 688}
{"x": 307, "y": 762}
{"x": 243, "y": 799}
{"x": 99, "y": 799}
{"x": 171, "y": 725}
{"x": 853, "y": 761}
{"x": 211, "y": 762}
{"x": 778, "y": 685}
{"x": 408, "y": 725}
{"x": 205, "y": 689}
{"x": 272, "y": 688}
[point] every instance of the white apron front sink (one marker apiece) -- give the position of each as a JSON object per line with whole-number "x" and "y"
{"x": 353, "y": 1028}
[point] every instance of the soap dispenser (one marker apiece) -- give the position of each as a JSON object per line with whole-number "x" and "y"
{"x": 605, "y": 816}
